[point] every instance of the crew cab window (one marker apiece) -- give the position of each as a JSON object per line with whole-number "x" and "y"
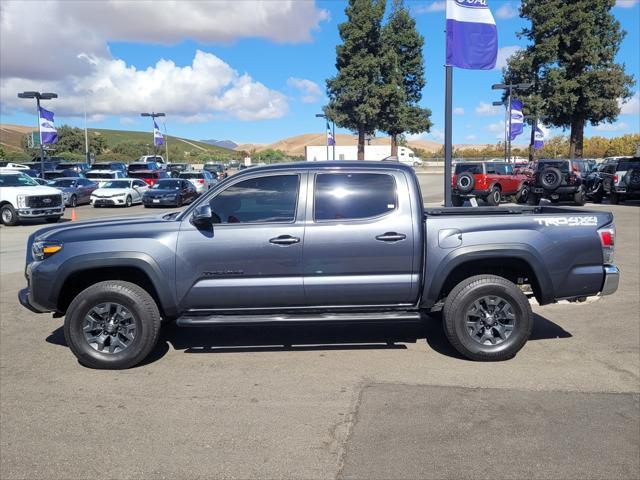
{"x": 474, "y": 168}
{"x": 350, "y": 196}
{"x": 267, "y": 199}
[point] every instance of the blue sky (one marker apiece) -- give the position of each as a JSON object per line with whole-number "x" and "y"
{"x": 286, "y": 74}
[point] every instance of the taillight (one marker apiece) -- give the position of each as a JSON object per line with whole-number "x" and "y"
{"x": 615, "y": 179}
{"x": 608, "y": 241}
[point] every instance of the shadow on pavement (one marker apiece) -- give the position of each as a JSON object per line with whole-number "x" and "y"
{"x": 317, "y": 337}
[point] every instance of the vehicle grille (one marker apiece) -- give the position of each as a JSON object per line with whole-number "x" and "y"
{"x": 44, "y": 201}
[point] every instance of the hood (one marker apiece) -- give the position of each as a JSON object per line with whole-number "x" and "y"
{"x": 162, "y": 191}
{"x": 110, "y": 192}
{"x": 36, "y": 190}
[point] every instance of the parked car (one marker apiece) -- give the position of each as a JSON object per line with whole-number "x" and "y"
{"x": 13, "y": 166}
{"x": 277, "y": 244}
{"x": 103, "y": 176}
{"x": 559, "y": 179}
{"x": 175, "y": 169}
{"x": 75, "y": 191}
{"x": 21, "y": 198}
{"x": 138, "y": 166}
{"x": 490, "y": 181}
{"x": 626, "y": 180}
{"x": 41, "y": 181}
{"x": 110, "y": 166}
{"x": 202, "y": 180}
{"x": 233, "y": 163}
{"x": 123, "y": 193}
{"x": 150, "y": 177}
{"x": 159, "y": 159}
{"x": 598, "y": 183}
{"x": 53, "y": 174}
{"x": 76, "y": 167}
{"x": 172, "y": 192}
{"x": 216, "y": 169}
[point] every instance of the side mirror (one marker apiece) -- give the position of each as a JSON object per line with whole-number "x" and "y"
{"x": 202, "y": 216}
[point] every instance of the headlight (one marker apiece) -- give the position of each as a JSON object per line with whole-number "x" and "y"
{"x": 45, "y": 249}
{"x": 22, "y": 201}
{"x": 65, "y": 196}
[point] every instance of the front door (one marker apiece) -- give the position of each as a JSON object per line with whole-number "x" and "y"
{"x": 359, "y": 241}
{"x": 251, "y": 257}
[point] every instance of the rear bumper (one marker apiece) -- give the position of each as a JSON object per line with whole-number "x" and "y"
{"x": 611, "y": 280}
{"x": 564, "y": 190}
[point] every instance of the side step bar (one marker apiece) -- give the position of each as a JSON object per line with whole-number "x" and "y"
{"x": 239, "y": 319}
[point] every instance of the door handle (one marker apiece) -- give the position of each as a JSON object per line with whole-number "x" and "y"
{"x": 391, "y": 237}
{"x": 284, "y": 240}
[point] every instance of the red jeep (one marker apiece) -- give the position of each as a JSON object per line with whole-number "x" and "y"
{"x": 490, "y": 181}
{"x": 150, "y": 177}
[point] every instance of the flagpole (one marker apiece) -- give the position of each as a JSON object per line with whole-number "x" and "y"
{"x": 334, "y": 138}
{"x": 448, "y": 102}
{"x": 166, "y": 142}
{"x": 509, "y": 130}
{"x": 40, "y": 134}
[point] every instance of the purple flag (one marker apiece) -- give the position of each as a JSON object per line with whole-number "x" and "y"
{"x": 517, "y": 119}
{"x": 158, "y": 139}
{"x": 538, "y": 137}
{"x": 48, "y": 132}
{"x": 472, "y": 37}
{"x": 330, "y": 140}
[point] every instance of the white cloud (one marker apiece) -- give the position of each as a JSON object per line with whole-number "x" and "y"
{"x": 611, "y": 127}
{"x": 487, "y": 110}
{"x": 430, "y": 8}
{"x": 632, "y": 106}
{"x": 506, "y": 11}
{"x": 192, "y": 93}
{"x": 626, "y": 3}
{"x": 497, "y": 127}
{"x": 504, "y": 53}
{"x": 471, "y": 137}
{"x": 127, "y": 121}
{"x": 43, "y": 40}
{"x": 458, "y": 111}
{"x": 310, "y": 91}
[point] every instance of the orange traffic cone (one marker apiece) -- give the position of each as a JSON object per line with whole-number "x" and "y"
{"x": 73, "y": 215}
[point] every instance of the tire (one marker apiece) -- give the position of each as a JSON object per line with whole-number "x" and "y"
{"x": 465, "y": 182}
{"x": 597, "y": 197}
{"x": 128, "y": 202}
{"x": 632, "y": 179}
{"x": 614, "y": 198}
{"x": 523, "y": 194}
{"x": 472, "y": 344}
{"x": 73, "y": 201}
{"x": 494, "y": 197}
{"x": 9, "y": 215}
{"x": 534, "y": 199}
{"x": 134, "y": 300}
{"x": 580, "y": 197}
{"x": 457, "y": 201}
{"x": 52, "y": 219}
{"x": 178, "y": 201}
{"x": 550, "y": 178}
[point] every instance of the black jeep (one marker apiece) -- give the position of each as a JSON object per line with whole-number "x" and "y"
{"x": 559, "y": 179}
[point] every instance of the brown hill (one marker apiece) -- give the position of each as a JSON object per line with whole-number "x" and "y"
{"x": 11, "y": 136}
{"x": 295, "y": 145}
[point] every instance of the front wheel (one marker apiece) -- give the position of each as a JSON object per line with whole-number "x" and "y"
{"x": 614, "y": 198}
{"x": 9, "y": 215}
{"x": 494, "y": 197}
{"x": 533, "y": 199}
{"x": 73, "y": 201}
{"x": 487, "y": 318}
{"x": 128, "y": 202}
{"x": 457, "y": 201}
{"x": 580, "y": 197}
{"x": 112, "y": 325}
{"x": 523, "y": 194}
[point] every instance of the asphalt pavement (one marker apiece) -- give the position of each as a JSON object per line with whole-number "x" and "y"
{"x": 317, "y": 402}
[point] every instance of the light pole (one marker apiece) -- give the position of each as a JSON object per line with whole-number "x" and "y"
{"x": 153, "y": 117}
{"x": 86, "y": 135}
{"x": 510, "y": 88}
{"x": 503, "y": 104}
{"x": 39, "y": 96}
{"x": 534, "y": 126}
{"x": 166, "y": 142}
{"x": 333, "y": 133}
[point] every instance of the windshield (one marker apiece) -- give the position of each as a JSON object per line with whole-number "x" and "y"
{"x": 561, "y": 165}
{"x": 138, "y": 166}
{"x": 117, "y": 184}
{"x": 17, "y": 181}
{"x": 167, "y": 185}
{"x": 191, "y": 175}
{"x": 63, "y": 183}
{"x": 99, "y": 175}
{"x": 469, "y": 167}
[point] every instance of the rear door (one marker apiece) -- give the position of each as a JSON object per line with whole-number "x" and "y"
{"x": 359, "y": 239}
{"x": 252, "y": 257}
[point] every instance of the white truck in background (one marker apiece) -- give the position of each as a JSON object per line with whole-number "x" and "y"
{"x": 315, "y": 153}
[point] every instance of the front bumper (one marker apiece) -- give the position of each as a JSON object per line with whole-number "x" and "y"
{"x": 156, "y": 202}
{"x": 611, "y": 279}
{"x": 23, "y": 298}
{"x": 39, "y": 212}
{"x": 108, "y": 201}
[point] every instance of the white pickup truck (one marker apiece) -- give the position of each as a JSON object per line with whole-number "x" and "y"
{"x": 22, "y": 197}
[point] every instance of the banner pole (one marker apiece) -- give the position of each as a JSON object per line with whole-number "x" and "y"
{"x": 448, "y": 102}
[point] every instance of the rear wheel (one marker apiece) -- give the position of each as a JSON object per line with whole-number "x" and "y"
{"x": 457, "y": 201}
{"x": 598, "y": 196}
{"x": 487, "y": 318}
{"x": 523, "y": 194}
{"x": 614, "y": 198}
{"x": 9, "y": 215}
{"x": 112, "y": 324}
{"x": 179, "y": 201}
{"x": 494, "y": 197}
{"x": 128, "y": 202}
{"x": 580, "y": 197}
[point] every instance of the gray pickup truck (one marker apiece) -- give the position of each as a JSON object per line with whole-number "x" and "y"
{"x": 316, "y": 242}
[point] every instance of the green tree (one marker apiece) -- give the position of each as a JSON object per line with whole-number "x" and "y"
{"x": 572, "y": 62}
{"x": 403, "y": 77}
{"x": 355, "y": 92}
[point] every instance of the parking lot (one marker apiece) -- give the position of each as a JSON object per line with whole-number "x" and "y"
{"x": 378, "y": 401}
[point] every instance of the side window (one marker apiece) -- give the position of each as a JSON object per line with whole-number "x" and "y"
{"x": 491, "y": 169}
{"x": 501, "y": 169}
{"x": 139, "y": 183}
{"x": 508, "y": 169}
{"x": 344, "y": 196}
{"x": 268, "y": 199}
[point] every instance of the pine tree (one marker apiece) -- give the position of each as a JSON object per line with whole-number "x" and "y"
{"x": 356, "y": 91}
{"x": 572, "y": 63}
{"x": 403, "y": 77}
